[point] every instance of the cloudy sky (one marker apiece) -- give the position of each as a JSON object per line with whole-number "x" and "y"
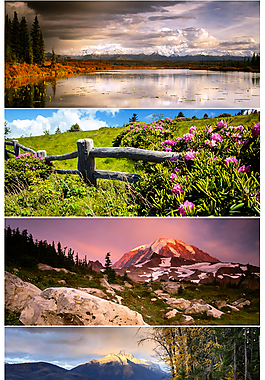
{"x": 33, "y": 122}
{"x": 166, "y": 27}
{"x": 71, "y": 346}
{"x": 228, "y": 239}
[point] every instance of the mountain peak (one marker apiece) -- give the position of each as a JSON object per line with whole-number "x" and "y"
{"x": 164, "y": 247}
{"x": 121, "y": 357}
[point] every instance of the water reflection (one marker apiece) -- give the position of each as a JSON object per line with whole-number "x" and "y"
{"x": 143, "y": 89}
{"x": 29, "y": 96}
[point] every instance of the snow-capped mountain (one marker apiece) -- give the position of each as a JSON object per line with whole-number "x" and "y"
{"x": 174, "y": 260}
{"x": 167, "y": 248}
{"x": 121, "y": 366}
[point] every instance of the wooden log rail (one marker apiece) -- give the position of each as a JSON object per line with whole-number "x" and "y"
{"x": 86, "y": 154}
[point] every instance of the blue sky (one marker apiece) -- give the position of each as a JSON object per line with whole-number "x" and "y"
{"x": 33, "y": 122}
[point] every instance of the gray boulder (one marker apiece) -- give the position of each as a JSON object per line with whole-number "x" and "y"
{"x": 66, "y": 306}
{"x": 170, "y": 287}
{"x": 18, "y": 292}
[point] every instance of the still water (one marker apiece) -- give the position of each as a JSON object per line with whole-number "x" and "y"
{"x": 158, "y": 88}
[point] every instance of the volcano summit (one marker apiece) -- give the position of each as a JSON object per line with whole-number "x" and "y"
{"x": 171, "y": 259}
{"x": 168, "y": 248}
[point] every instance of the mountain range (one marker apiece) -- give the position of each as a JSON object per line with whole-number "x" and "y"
{"x": 120, "y": 366}
{"x": 155, "y": 56}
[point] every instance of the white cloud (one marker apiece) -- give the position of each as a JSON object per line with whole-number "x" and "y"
{"x": 63, "y": 118}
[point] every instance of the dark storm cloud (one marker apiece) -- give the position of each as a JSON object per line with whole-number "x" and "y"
{"x": 90, "y": 18}
{"x": 107, "y": 8}
{"x": 171, "y": 26}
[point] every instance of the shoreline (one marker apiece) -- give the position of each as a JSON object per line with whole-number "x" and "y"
{"x": 23, "y": 72}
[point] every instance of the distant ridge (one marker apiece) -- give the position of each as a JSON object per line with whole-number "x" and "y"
{"x": 151, "y": 57}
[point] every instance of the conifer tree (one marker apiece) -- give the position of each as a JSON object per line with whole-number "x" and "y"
{"x": 108, "y": 270}
{"x": 25, "y": 43}
{"x": 15, "y": 40}
{"x": 38, "y": 48}
{"x": 8, "y": 51}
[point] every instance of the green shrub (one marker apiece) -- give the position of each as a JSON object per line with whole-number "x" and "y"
{"x": 217, "y": 175}
{"x": 24, "y": 169}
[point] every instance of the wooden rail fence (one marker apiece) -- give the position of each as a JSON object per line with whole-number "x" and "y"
{"x": 86, "y": 154}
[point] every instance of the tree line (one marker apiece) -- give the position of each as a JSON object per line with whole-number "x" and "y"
{"x": 21, "y": 250}
{"x": 206, "y": 353}
{"x": 22, "y": 45}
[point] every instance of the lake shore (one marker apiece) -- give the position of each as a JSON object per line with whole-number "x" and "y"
{"x": 17, "y": 74}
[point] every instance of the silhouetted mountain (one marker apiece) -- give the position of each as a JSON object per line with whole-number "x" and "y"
{"x": 121, "y": 366}
{"x": 41, "y": 371}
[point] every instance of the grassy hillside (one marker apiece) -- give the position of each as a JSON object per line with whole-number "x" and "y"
{"x": 62, "y": 143}
{"x": 61, "y": 195}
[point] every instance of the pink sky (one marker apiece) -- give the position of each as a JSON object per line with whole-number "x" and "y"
{"x": 228, "y": 239}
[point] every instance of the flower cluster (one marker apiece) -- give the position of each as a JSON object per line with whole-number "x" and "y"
{"x": 228, "y": 139}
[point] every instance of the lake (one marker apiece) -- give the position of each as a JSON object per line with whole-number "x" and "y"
{"x": 157, "y": 88}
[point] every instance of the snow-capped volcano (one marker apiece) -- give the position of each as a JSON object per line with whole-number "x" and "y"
{"x": 121, "y": 366}
{"x": 167, "y": 248}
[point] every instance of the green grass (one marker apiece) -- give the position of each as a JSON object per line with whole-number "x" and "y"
{"x": 139, "y": 297}
{"x": 61, "y": 195}
{"x": 63, "y": 143}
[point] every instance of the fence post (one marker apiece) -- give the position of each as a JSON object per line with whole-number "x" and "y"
{"x": 16, "y": 147}
{"x": 41, "y": 153}
{"x": 86, "y": 163}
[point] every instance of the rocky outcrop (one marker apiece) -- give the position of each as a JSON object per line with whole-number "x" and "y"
{"x": 95, "y": 292}
{"x": 66, "y": 306}
{"x": 187, "y": 320}
{"x": 18, "y": 292}
{"x": 171, "y": 287}
{"x": 48, "y": 267}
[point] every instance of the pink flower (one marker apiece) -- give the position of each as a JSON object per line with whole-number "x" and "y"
{"x": 177, "y": 188}
{"x": 214, "y": 158}
{"x": 221, "y": 124}
{"x": 185, "y": 207}
{"x": 244, "y": 168}
{"x": 216, "y": 137}
{"x": 173, "y": 176}
{"x": 189, "y": 156}
{"x": 231, "y": 160}
{"x": 168, "y": 149}
{"x": 256, "y": 130}
{"x": 192, "y": 129}
{"x": 188, "y": 137}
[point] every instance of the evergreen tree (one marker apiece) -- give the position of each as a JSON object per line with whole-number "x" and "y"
{"x": 133, "y": 118}
{"x": 38, "y": 48}
{"x": 108, "y": 270}
{"x": 15, "y": 37}
{"x": 53, "y": 59}
{"x": 8, "y": 50}
{"x": 107, "y": 262}
{"x": 58, "y": 130}
{"x": 25, "y": 43}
